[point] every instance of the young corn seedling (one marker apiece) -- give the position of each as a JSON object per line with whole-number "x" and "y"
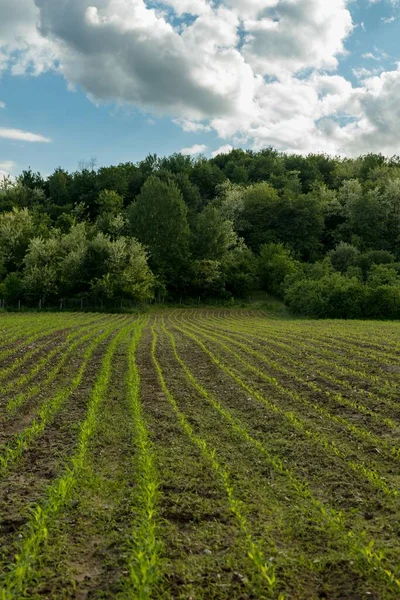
{"x": 265, "y": 570}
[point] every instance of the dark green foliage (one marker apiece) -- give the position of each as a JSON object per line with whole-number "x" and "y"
{"x": 374, "y": 257}
{"x": 344, "y": 256}
{"x": 295, "y": 220}
{"x": 240, "y": 271}
{"x": 322, "y": 232}
{"x": 207, "y": 176}
{"x": 212, "y": 235}
{"x": 275, "y": 264}
{"x": 331, "y": 296}
{"x": 12, "y": 287}
{"x": 158, "y": 219}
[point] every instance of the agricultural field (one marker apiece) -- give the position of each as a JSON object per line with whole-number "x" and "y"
{"x": 198, "y": 454}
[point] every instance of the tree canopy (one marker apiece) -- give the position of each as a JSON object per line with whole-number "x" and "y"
{"x": 299, "y": 227}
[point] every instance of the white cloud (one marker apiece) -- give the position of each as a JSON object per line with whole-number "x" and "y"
{"x": 23, "y": 136}
{"x": 2, "y": 104}
{"x": 369, "y": 56}
{"x": 388, "y": 19}
{"x": 192, "y": 126}
{"x": 196, "y": 149}
{"x": 225, "y": 149}
{"x": 379, "y": 54}
{"x": 257, "y": 72}
{"x": 363, "y": 73}
{"x": 191, "y": 7}
{"x": 7, "y": 164}
{"x": 122, "y": 50}
{"x": 6, "y": 167}
{"x": 23, "y": 47}
{"x": 297, "y": 35}
{"x": 379, "y": 116}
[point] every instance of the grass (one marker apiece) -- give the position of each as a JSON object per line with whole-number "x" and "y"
{"x": 193, "y": 453}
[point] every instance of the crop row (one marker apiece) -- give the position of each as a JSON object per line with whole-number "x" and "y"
{"x": 295, "y": 420}
{"x": 362, "y": 550}
{"x": 289, "y": 352}
{"x": 331, "y": 357}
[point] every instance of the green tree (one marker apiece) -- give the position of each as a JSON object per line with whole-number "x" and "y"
{"x": 110, "y": 217}
{"x": 374, "y": 257}
{"x": 275, "y": 264}
{"x": 40, "y": 275}
{"x": 260, "y": 202}
{"x": 207, "y": 176}
{"x": 158, "y": 219}
{"x": 17, "y": 227}
{"x": 367, "y": 217}
{"x": 127, "y": 272}
{"x": 213, "y": 236}
{"x": 344, "y": 256}
{"x": 239, "y": 267}
{"x": 58, "y": 187}
{"x": 207, "y": 279}
{"x": 383, "y": 275}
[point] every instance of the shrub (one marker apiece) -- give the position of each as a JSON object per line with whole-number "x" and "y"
{"x": 332, "y": 296}
{"x": 275, "y": 264}
{"x": 383, "y": 302}
{"x": 374, "y": 257}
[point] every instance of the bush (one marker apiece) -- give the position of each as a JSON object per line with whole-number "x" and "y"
{"x": 381, "y": 275}
{"x": 374, "y": 257}
{"x": 383, "y": 302}
{"x": 275, "y": 264}
{"x": 332, "y": 296}
{"x": 12, "y": 287}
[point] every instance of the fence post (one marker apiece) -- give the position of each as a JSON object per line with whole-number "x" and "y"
{"x": 40, "y": 304}
{"x": 19, "y": 304}
{"x": 81, "y": 303}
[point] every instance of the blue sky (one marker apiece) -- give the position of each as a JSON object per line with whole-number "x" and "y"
{"x": 114, "y": 120}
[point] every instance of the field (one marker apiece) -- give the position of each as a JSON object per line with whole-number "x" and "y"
{"x": 220, "y": 454}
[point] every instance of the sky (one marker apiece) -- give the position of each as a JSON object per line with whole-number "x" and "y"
{"x": 115, "y": 80}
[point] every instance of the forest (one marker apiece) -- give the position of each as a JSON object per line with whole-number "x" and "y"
{"x": 321, "y": 233}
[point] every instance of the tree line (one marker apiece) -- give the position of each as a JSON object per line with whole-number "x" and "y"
{"x": 320, "y": 232}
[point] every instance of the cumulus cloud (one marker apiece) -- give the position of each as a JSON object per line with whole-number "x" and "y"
{"x": 121, "y": 50}
{"x": 225, "y": 149}
{"x": 22, "y": 136}
{"x": 23, "y": 47}
{"x": 379, "y": 115}
{"x": 192, "y": 126}
{"x": 196, "y": 149}
{"x": 6, "y": 168}
{"x": 363, "y": 73}
{"x": 189, "y": 7}
{"x": 257, "y": 72}
{"x": 297, "y": 35}
{"x": 211, "y": 67}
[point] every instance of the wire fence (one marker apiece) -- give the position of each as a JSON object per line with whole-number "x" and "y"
{"x": 73, "y": 304}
